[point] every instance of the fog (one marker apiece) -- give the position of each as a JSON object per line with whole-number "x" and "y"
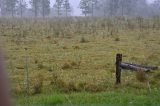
{"x": 50, "y": 8}
{"x": 75, "y": 4}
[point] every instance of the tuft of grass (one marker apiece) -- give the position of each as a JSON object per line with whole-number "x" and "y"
{"x": 76, "y": 47}
{"x": 66, "y": 66}
{"x": 37, "y": 83}
{"x": 64, "y": 47}
{"x": 35, "y": 61}
{"x": 117, "y": 39}
{"x": 141, "y": 76}
{"x": 157, "y": 76}
{"x": 83, "y": 40}
{"x": 40, "y": 66}
{"x": 48, "y": 37}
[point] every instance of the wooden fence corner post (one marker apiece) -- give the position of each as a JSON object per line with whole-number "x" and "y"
{"x": 118, "y": 68}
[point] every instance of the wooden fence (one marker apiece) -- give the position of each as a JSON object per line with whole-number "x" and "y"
{"x": 128, "y": 66}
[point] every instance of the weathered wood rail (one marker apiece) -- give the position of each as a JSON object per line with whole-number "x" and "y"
{"x": 128, "y": 66}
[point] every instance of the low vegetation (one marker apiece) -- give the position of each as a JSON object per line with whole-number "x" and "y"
{"x": 73, "y": 61}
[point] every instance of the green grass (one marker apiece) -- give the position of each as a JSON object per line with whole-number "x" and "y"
{"x": 117, "y": 97}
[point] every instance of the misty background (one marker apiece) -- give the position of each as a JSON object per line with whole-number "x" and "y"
{"x": 75, "y": 5}
{"x": 50, "y": 8}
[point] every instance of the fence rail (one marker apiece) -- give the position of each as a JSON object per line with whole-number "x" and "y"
{"x": 128, "y": 66}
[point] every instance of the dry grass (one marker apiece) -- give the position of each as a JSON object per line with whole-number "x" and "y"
{"x": 141, "y": 76}
{"x": 77, "y": 64}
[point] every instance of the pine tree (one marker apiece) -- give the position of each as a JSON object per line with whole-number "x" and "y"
{"x": 113, "y": 7}
{"x": 85, "y": 7}
{"x": 93, "y": 6}
{"x": 2, "y": 7}
{"x": 35, "y": 7}
{"x": 67, "y": 7}
{"x": 58, "y": 6}
{"x": 45, "y": 7}
{"x": 103, "y": 5}
{"x": 10, "y": 7}
{"x": 126, "y": 6}
{"x": 22, "y": 6}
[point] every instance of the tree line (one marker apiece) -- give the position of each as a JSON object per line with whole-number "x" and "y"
{"x": 38, "y": 8}
{"x": 119, "y": 7}
{"x": 43, "y": 8}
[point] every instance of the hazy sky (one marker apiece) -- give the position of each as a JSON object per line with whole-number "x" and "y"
{"x": 75, "y": 5}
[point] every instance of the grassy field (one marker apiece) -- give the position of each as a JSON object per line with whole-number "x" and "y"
{"x": 72, "y": 60}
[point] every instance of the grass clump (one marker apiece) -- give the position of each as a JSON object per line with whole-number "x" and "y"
{"x": 71, "y": 65}
{"x": 76, "y": 47}
{"x": 117, "y": 39}
{"x": 83, "y": 40}
{"x": 157, "y": 76}
{"x": 64, "y": 47}
{"x": 37, "y": 83}
{"x": 141, "y": 76}
{"x": 40, "y": 66}
{"x": 66, "y": 66}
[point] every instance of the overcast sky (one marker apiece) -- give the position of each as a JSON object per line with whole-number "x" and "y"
{"x": 75, "y": 5}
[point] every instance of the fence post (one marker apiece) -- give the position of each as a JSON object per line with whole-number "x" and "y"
{"x": 118, "y": 68}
